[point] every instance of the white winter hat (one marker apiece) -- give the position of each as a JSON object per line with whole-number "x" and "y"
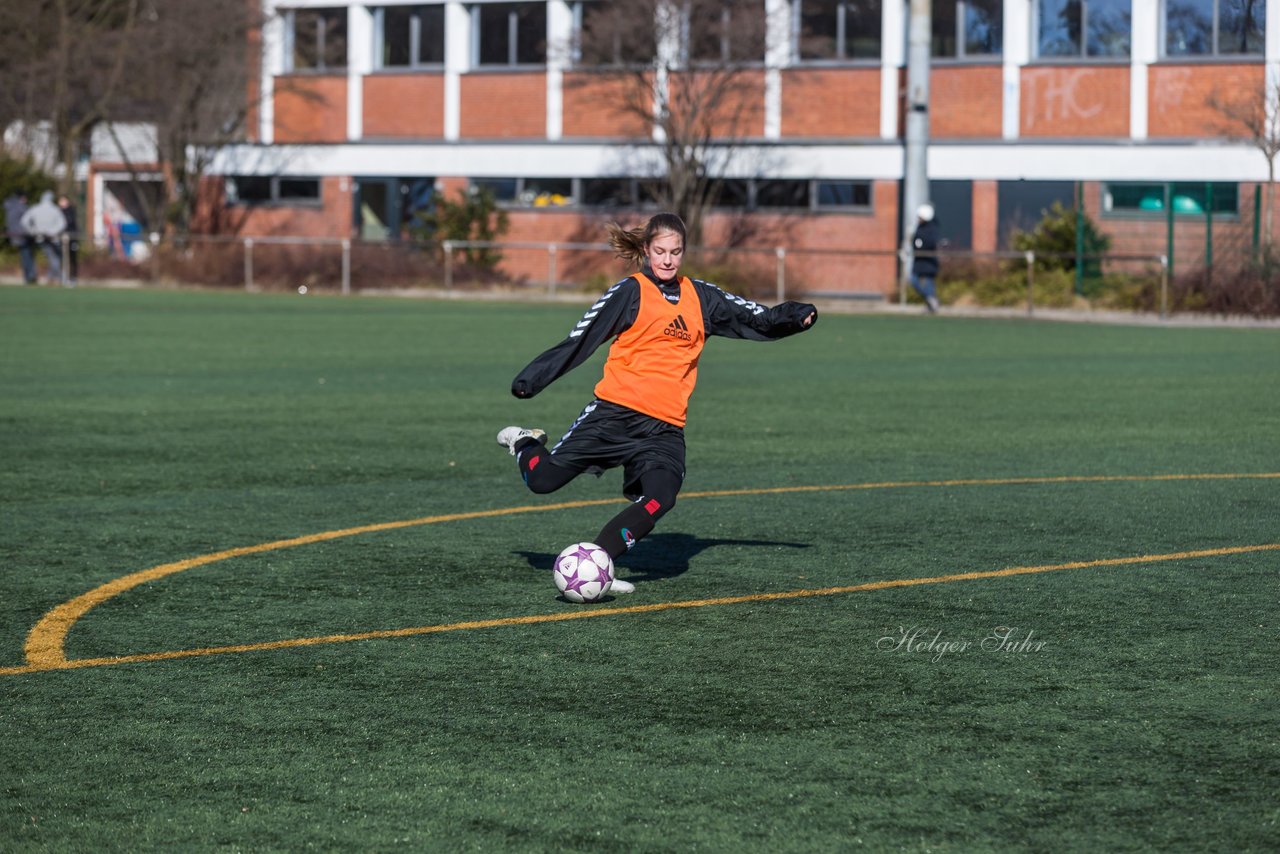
{"x": 925, "y": 212}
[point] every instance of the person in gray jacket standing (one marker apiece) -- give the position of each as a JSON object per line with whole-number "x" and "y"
{"x": 14, "y": 208}
{"x": 45, "y": 223}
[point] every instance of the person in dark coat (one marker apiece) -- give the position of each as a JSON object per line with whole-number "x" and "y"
{"x": 73, "y": 238}
{"x": 924, "y": 264}
{"x": 14, "y": 208}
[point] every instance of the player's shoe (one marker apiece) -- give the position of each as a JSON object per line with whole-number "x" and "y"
{"x": 620, "y": 586}
{"x": 509, "y": 436}
{"x": 932, "y": 303}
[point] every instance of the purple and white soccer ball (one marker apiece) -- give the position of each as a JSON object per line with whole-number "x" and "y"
{"x": 583, "y": 572}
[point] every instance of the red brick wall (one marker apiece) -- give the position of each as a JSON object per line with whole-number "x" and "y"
{"x": 827, "y": 253}
{"x": 831, "y": 102}
{"x": 859, "y": 256}
{"x": 965, "y": 102}
{"x": 331, "y": 218}
{"x": 451, "y": 186}
{"x": 532, "y": 266}
{"x": 404, "y": 106}
{"x": 1075, "y": 101}
{"x": 253, "y": 78}
{"x": 733, "y": 109}
{"x": 855, "y": 253}
{"x": 1232, "y": 234}
{"x": 596, "y": 105}
{"x": 985, "y": 214}
{"x": 1179, "y": 94}
{"x": 504, "y": 105}
{"x": 310, "y": 109}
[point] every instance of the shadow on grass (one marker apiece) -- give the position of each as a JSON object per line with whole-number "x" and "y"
{"x": 660, "y": 556}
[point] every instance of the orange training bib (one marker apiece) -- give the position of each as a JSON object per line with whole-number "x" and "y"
{"x": 653, "y": 366}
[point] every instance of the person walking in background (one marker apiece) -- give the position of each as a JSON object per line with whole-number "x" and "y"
{"x": 924, "y": 263}
{"x": 73, "y": 238}
{"x": 46, "y": 223}
{"x": 657, "y": 321}
{"x": 14, "y": 208}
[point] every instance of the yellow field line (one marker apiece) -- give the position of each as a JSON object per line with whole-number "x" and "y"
{"x": 587, "y": 613}
{"x": 44, "y": 649}
{"x": 999, "y": 481}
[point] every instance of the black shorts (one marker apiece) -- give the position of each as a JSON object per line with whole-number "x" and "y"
{"x": 607, "y": 435}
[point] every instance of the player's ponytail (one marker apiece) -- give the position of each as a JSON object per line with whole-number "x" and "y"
{"x": 627, "y": 243}
{"x": 631, "y": 244}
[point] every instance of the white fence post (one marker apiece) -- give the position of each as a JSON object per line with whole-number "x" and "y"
{"x": 248, "y": 263}
{"x": 447, "y": 246}
{"x": 781, "y": 253}
{"x": 1031, "y": 267}
{"x": 346, "y": 266}
{"x": 902, "y": 279}
{"x": 551, "y": 269}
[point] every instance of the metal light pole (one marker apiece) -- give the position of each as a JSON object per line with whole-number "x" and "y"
{"x": 915, "y": 179}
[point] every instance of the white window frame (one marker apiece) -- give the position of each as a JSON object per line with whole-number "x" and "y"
{"x": 1215, "y": 37}
{"x": 841, "y": 37}
{"x": 1082, "y": 55}
{"x": 415, "y": 38}
{"x": 290, "y": 18}
{"x": 513, "y": 42}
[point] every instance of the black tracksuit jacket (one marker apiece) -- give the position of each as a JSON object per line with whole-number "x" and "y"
{"x": 723, "y": 314}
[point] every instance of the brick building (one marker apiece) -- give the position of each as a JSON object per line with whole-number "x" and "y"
{"x": 363, "y": 109}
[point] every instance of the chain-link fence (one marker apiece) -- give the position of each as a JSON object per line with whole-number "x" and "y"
{"x": 1033, "y": 280}
{"x": 1242, "y": 281}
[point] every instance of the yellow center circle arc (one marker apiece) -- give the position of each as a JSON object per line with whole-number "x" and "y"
{"x": 45, "y": 645}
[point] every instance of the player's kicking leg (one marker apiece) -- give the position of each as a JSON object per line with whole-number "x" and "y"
{"x": 511, "y": 437}
{"x": 658, "y": 489}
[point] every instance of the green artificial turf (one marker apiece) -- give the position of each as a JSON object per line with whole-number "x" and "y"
{"x": 1132, "y": 706}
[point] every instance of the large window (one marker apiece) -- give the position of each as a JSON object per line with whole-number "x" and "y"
{"x": 735, "y": 193}
{"x": 272, "y": 190}
{"x": 1189, "y": 198}
{"x": 711, "y": 32}
{"x": 390, "y": 208}
{"x": 724, "y": 31}
{"x": 842, "y": 194}
{"x": 968, "y": 29}
{"x": 608, "y": 34}
{"x": 608, "y": 192}
{"x": 792, "y": 194}
{"x": 836, "y": 29}
{"x": 409, "y": 36}
{"x": 782, "y": 193}
{"x": 1214, "y": 27}
{"x": 316, "y": 39}
{"x": 530, "y": 192}
{"x": 1083, "y": 28}
{"x": 510, "y": 33}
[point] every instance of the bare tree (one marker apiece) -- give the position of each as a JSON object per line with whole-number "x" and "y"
{"x": 685, "y": 71}
{"x": 181, "y": 66}
{"x": 1253, "y": 116}
{"x": 190, "y": 78}
{"x": 63, "y": 63}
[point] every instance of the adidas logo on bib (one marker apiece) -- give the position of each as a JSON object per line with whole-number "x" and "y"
{"x": 678, "y": 329}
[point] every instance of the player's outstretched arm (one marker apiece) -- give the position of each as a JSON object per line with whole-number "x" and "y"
{"x": 608, "y": 316}
{"x": 732, "y": 316}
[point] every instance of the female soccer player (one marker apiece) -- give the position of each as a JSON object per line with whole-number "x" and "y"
{"x": 658, "y": 321}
